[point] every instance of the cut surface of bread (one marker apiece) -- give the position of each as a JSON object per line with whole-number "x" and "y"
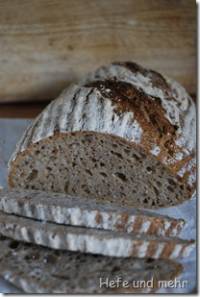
{"x": 98, "y": 166}
{"x": 77, "y": 211}
{"x": 41, "y": 270}
{"x": 95, "y": 241}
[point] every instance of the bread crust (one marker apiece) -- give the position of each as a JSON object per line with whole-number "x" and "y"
{"x": 77, "y": 211}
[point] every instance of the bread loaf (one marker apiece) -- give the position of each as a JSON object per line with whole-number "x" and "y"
{"x": 41, "y": 270}
{"x": 76, "y": 211}
{"x": 103, "y": 242}
{"x": 126, "y": 143}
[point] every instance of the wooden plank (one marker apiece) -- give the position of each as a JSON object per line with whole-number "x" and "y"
{"x": 45, "y": 45}
{"x": 25, "y": 110}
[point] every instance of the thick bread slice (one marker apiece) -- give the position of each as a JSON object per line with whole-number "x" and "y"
{"x": 178, "y": 149}
{"x": 65, "y": 209}
{"x": 108, "y": 243}
{"x": 99, "y": 141}
{"x": 41, "y": 270}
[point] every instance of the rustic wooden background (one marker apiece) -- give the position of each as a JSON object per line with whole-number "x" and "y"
{"x": 46, "y": 44}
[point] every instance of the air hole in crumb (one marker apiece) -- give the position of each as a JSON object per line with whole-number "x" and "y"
{"x": 122, "y": 195}
{"x": 126, "y": 151}
{"x": 103, "y": 174}
{"x": 13, "y": 245}
{"x": 102, "y": 164}
{"x": 66, "y": 187}
{"x": 117, "y": 154}
{"x": 32, "y": 175}
{"x": 170, "y": 189}
{"x": 136, "y": 157}
{"x": 156, "y": 190}
{"x": 188, "y": 188}
{"x": 88, "y": 171}
{"x": 121, "y": 176}
{"x": 55, "y": 151}
{"x": 149, "y": 169}
{"x": 85, "y": 189}
{"x": 171, "y": 182}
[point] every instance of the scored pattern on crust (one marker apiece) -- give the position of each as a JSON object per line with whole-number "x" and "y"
{"x": 80, "y": 109}
{"x": 108, "y": 243}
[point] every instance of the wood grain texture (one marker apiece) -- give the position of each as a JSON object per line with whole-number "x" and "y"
{"x": 23, "y": 110}
{"x": 45, "y": 45}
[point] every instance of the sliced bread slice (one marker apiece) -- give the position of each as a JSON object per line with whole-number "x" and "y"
{"x": 95, "y": 241}
{"x": 36, "y": 269}
{"x": 69, "y": 210}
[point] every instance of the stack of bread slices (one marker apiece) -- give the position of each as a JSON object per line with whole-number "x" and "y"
{"x": 85, "y": 178}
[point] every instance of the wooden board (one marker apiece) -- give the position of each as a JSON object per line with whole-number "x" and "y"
{"x": 46, "y": 44}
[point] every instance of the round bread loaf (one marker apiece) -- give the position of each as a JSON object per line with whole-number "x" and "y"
{"x": 113, "y": 140}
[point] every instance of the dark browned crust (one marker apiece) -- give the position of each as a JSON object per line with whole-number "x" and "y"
{"x": 168, "y": 249}
{"x": 154, "y": 225}
{"x": 173, "y": 225}
{"x": 153, "y": 245}
{"x": 121, "y": 225}
{"x": 98, "y": 218}
{"x": 157, "y": 79}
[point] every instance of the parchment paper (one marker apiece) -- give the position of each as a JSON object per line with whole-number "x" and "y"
{"x": 10, "y": 133}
